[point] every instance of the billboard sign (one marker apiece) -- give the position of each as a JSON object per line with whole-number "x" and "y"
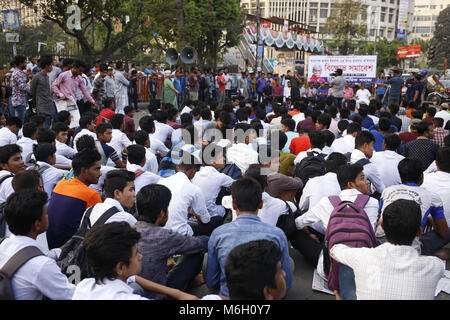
{"x": 409, "y": 51}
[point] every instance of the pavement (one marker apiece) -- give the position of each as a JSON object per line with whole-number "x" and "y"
{"x": 303, "y": 272}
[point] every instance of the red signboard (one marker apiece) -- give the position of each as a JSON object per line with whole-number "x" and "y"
{"x": 409, "y": 51}
{"x": 266, "y": 24}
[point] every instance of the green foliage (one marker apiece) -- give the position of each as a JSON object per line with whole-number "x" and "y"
{"x": 441, "y": 39}
{"x": 385, "y": 50}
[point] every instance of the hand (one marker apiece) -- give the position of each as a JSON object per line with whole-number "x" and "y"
{"x": 186, "y": 296}
{"x": 62, "y": 98}
{"x": 337, "y": 295}
{"x": 96, "y": 106}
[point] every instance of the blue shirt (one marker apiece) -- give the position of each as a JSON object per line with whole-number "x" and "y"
{"x": 147, "y": 71}
{"x": 367, "y": 122}
{"x": 379, "y": 138}
{"x": 381, "y": 89}
{"x": 322, "y": 90}
{"x": 396, "y": 86}
{"x": 290, "y": 135}
{"x": 246, "y": 228}
{"x": 260, "y": 85}
{"x": 177, "y": 84}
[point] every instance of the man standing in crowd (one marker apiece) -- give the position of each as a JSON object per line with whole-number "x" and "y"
{"x": 40, "y": 90}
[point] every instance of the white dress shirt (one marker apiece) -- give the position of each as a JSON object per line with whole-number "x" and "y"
{"x": 242, "y": 155}
{"x": 344, "y": 145}
{"x": 431, "y": 168}
{"x": 27, "y": 146}
{"x": 185, "y": 195}
{"x": 370, "y": 170}
{"x": 6, "y": 188}
{"x": 443, "y": 114}
{"x": 151, "y": 163}
{"x": 102, "y": 207}
{"x": 64, "y": 150}
{"x": 391, "y": 272}
{"x": 386, "y": 163}
{"x": 304, "y": 154}
{"x": 119, "y": 141}
{"x": 298, "y": 117}
{"x": 272, "y": 208}
{"x": 321, "y": 212}
{"x": 439, "y": 182}
{"x": 314, "y": 190}
{"x": 82, "y": 133}
{"x": 7, "y": 137}
{"x": 144, "y": 178}
{"x": 210, "y": 181}
{"x": 63, "y": 161}
{"x": 40, "y": 276}
{"x": 156, "y": 146}
{"x": 162, "y": 131}
{"x": 115, "y": 289}
{"x": 50, "y": 177}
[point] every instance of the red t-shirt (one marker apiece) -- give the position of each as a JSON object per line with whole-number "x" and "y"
{"x": 105, "y": 113}
{"x": 219, "y": 80}
{"x": 300, "y": 144}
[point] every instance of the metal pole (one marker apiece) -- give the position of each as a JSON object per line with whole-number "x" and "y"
{"x": 258, "y": 38}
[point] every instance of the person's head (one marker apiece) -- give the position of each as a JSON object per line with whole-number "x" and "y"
{"x": 119, "y": 185}
{"x": 189, "y": 164}
{"x": 86, "y": 142}
{"x": 119, "y": 65}
{"x": 323, "y": 121}
{"x": 287, "y": 125}
{"x": 86, "y": 166}
{"x": 27, "y": 179}
{"x": 129, "y": 111}
{"x": 253, "y": 271}
{"x": 160, "y": 116}
{"x": 46, "y": 63}
{"x": 384, "y": 124}
{"x": 45, "y": 152}
{"x": 364, "y": 142}
{"x": 64, "y": 117}
{"x": 425, "y": 129}
{"x": 78, "y": 67}
{"x": 104, "y": 132}
{"x": 29, "y": 130}
{"x": 442, "y": 159}
{"x": 317, "y": 139}
{"x": 141, "y": 137}
{"x": 136, "y": 154}
{"x": 213, "y": 155}
{"x": 329, "y": 137}
{"x": 334, "y": 161}
{"x": 61, "y": 130}
{"x": 14, "y": 124}
{"x": 246, "y": 194}
{"x": 87, "y": 122}
{"x": 438, "y": 122}
{"x": 20, "y": 62}
{"x": 254, "y": 171}
{"x": 152, "y": 203}
{"x": 393, "y": 109}
{"x": 401, "y": 222}
{"x": 342, "y": 125}
{"x": 351, "y": 176}
{"x": 410, "y": 171}
{"x": 282, "y": 139}
{"x": 117, "y": 121}
{"x": 11, "y": 158}
{"x": 317, "y": 70}
{"x": 391, "y": 142}
{"x": 111, "y": 251}
{"x": 67, "y": 64}
{"x": 243, "y": 133}
{"x": 147, "y": 124}
{"x": 431, "y": 111}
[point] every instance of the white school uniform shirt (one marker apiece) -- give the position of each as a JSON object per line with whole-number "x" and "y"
{"x": 151, "y": 163}
{"x": 40, "y": 276}
{"x": 439, "y": 183}
{"x": 119, "y": 141}
{"x": 272, "y": 208}
{"x": 121, "y": 91}
{"x": 99, "y": 186}
{"x": 162, "y": 131}
{"x": 82, "y": 133}
{"x": 298, "y": 117}
{"x": 64, "y": 150}
{"x": 304, "y": 154}
{"x": 7, "y": 137}
{"x": 314, "y": 190}
{"x": 242, "y": 155}
{"x": 321, "y": 212}
{"x": 63, "y": 161}
{"x": 27, "y": 146}
{"x": 344, "y": 145}
{"x": 210, "y": 181}
{"x": 391, "y": 272}
{"x": 370, "y": 170}
{"x": 185, "y": 194}
{"x": 431, "y": 168}
{"x": 115, "y": 289}
{"x": 157, "y": 146}
{"x": 121, "y": 216}
{"x": 443, "y": 114}
{"x": 6, "y": 188}
{"x": 266, "y": 128}
{"x": 50, "y": 177}
{"x": 386, "y": 163}
{"x": 143, "y": 179}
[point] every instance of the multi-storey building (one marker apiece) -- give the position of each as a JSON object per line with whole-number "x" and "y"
{"x": 425, "y": 16}
{"x": 27, "y": 15}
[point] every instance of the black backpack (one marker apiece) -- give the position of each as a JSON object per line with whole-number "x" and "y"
{"x": 2, "y": 207}
{"x": 11, "y": 267}
{"x": 203, "y": 85}
{"x": 72, "y": 257}
{"x": 286, "y": 222}
{"x": 311, "y": 166}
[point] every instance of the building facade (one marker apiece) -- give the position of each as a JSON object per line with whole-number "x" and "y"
{"x": 425, "y": 16}
{"x": 27, "y": 15}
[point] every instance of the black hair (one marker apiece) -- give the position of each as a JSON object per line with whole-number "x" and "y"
{"x": 363, "y": 111}
{"x": 392, "y": 141}
{"x": 23, "y": 209}
{"x": 317, "y": 139}
{"x": 141, "y": 137}
{"x": 447, "y": 140}
{"x": 246, "y": 194}
{"x": 443, "y": 158}
{"x": 329, "y": 137}
{"x": 127, "y": 109}
{"x": 431, "y": 111}
{"x": 45, "y": 61}
{"x": 422, "y": 127}
{"x": 79, "y": 64}
{"x": 410, "y": 170}
{"x": 342, "y": 125}
{"x": 289, "y": 123}
{"x": 384, "y": 124}
{"x": 225, "y": 117}
{"x": 19, "y": 59}
{"x": 160, "y": 116}
{"x": 242, "y": 114}
{"x": 108, "y": 102}
{"x": 117, "y": 180}
{"x": 116, "y": 120}
{"x": 29, "y": 129}
{"x": 66, "y": 62}
{"x": 257, "y": 126}
{"x": 43, "y": 150}
{"x": 57, "y": 127}
{"x": 151, "y": 200}
{"x": 84, "y": 159}
{"x": 45, "y": 135}
{"x": 147, "y": 124}
{"x": 324, "y": 119}
{"x": 86, "y": 142}
{"x": 393, "y": 109}
{"x": 136, "y": 154}
{"x": 7, "y": 151}
{"x": 63, "y": 116}
{"x": 315, "y": 115}
{"x": 282, "y": 139}
{"x": 245, "y": 127}
{"x": 438, "y": 122}
{"x": 26, "y": 179}
{"x": 254, "y": 171}
{"x": 108, "y": 244}
{"x": 188, "y": 162}
{"x": 334, "y": 161}
{"x": 401, "y": 221}
{"x": 205, "y": 113}
{"x": 13, "y": 121}
{"x": 364, "y": 137}
{"x": 250, "y": 267}
{"x": 103, "y": 66}
{"x": 195, "y": 112}
{"x": 186, "y": 118}
{"x": 417, "y": 114}
{"x": 102, "y": 127}
{"x": 85, "y": 120}
{"x": 412, "y": 104}
{"x": 38, "y": 119}
{"x": 348, "y": 173}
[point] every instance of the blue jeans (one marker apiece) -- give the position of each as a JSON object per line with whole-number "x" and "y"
{"x": 347, "y": 287}
{"x": 19, "y": 110}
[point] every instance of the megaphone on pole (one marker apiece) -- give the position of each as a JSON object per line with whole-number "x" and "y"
{"x": 172, "y": 56}
{"x": 188, "y": 55}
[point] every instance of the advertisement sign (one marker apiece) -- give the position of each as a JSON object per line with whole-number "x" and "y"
{"x": 409, "y": 51}
{"x": 356, "y": 69}
{"x": 11, "y": 20}
{"x": 402, "y": 19}
{"x": 12, "y": 37}
{"x": 266, "y": 24}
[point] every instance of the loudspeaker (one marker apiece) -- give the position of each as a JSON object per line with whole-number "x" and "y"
{"x": 172, "y": 56}
{"x": 188, "y": 55}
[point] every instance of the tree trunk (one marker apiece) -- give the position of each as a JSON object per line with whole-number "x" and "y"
{"x": 180, "y": 24}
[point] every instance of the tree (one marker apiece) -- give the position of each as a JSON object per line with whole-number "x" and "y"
{"x": 345, "y": 24}
{"x": 441, "y": 39}
{"x": 386, "y": 52}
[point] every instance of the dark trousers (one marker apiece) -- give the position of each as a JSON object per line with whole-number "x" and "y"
{"x": 133, "y": 98}
{"x": 83, "y": 106}
{"x": 309, "y": 248}
{"x": 205, "y": 229}
{"x": 347, "y": 286}
{"x": 338, "y": 102}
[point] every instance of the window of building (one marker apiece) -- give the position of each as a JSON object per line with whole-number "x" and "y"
{"x": 389, "y": 33}
{"x": 323, "y": 13}
{"x": 382, "y": 17}
{"x": 313, "y": 5}
{"x": 372, "y": 32}
{"x": 382, "y": 33}
{"x": 364, "y": 16}
{"x": 324, "y": 5}
{"x": 432, "y": 6}
{"x": 422, "y": 30}
{"x": 391, "y": 18}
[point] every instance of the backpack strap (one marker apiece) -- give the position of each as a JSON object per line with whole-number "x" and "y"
{"x": 361, "y": 200}
{"x": 105, "y": 216}
{"x": 19, "y": 259}
{"x": 138, "y": 172}
{"x": 86, "y": 222}
{"x": 363, "y": 162}
{"x": 335, "y": 200}
{"x": 6, "y": 177}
